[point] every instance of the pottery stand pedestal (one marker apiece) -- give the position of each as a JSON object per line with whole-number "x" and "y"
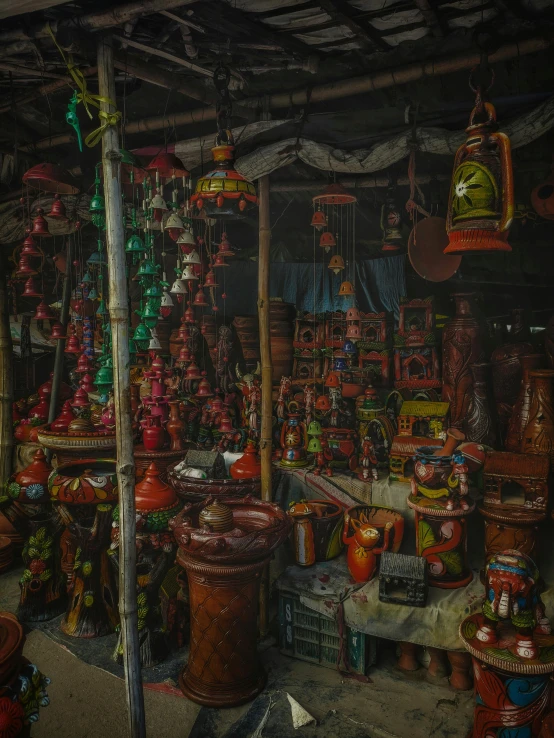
{"x": 224, "y": 571}
{"x": 511, "y": 694}
{"x": 517, "y": 531}
{"x": 441, "y": 538}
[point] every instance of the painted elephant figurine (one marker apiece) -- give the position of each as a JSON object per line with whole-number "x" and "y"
{"x": 362, "y": 551}
{"x": 512, "y": 594}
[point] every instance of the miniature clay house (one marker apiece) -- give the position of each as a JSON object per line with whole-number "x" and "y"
{"x": 309, "y": 342}
{"x": 403, "y": 579}
{"x": 421, "y": 418}
{"x": 377, "y": 328}
{"x": 375, "y": 347}
{"x": 515, "y": 501}
{"x": 416, "y": 364}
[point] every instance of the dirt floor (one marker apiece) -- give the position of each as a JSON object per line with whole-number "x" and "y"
{"x": 88, "y": 702}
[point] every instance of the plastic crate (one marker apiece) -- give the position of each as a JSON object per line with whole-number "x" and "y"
{"x": 307, "y": 635}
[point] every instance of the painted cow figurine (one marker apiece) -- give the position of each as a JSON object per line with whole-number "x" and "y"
{"x": 512, "y": 594}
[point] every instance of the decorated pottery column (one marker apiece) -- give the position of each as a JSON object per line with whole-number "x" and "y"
{"x": 462, "y": 345}
{"x": 224, "y": 547}
{"x": 520, "y": 412}
{"x": 512, "y": 649}
{"x": 538, "y": 436}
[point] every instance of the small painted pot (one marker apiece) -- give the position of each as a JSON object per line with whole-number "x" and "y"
{"x": 89, "y": 482}
{"x": 317, "y": 528}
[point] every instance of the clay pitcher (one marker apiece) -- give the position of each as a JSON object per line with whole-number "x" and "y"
{"x": 538, "y": 436}
{"x": 462, "y": 345}
{"x": 175, "y": 426}
{"x": 153, "y": 435}
{"x": 520, "y": 413}
{"x": 480, "y": 421}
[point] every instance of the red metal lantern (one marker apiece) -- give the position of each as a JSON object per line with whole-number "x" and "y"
{"x": 29, "y": 246}
{"x": 58, "y": 211}
{"x": 167, "y": 165}
{"x": 327, "y": 240}
{"x": 43, "y": 311}
{"x": 50, "y": 178}
{"x": 30, "y": 289}
{"x": 40, "y": 225}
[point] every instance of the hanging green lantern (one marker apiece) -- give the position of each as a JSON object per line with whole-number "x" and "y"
{"x": 150, "y": 315}
{"x": 93, "y": 294}
{"x": 154, "y": 291}
{"x": 135, "y": 245}
{"x": 314, "y": 446}
{"x": 142, "y": 336}
{"x": 97, "y": 207}
{"x": 147, "y": 269}
{"x": 104, "y": 376}
{"x": 314, "y": 429}
{"x": 102, "y": 309}
{"x": 86, "y": 278}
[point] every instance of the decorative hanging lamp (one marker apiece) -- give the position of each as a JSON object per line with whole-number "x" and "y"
{"x": 204, "y": 388}
{"x": 333, "y": 380}
{"x": 319, "y": 220}
{"x": 346, "y": 289}
{"x": 135, "y": 245}
{"x": 189, "y": 315}
{"x": 167, "y": 165}
{"x": 349, "y": 347}
{"x": 336, "y": 264}
{"x": 334, "y": 194}
{"x": 200, "y": 298}
{"x": 481, "y": 200}
{"x": 219, "y": 261}
{"x": 191, "y": 258}
{"x": 166, "y": 304}
{"x": 97, "y": 207}
{"x": 179, "y": 287}
{"x": 354, "y": 332}
{"x": 391, "y": 222}
{"x": 186, "y": 238}
{"x": 174, "y": 226}
{"x": 210, "y": 279}
{"x": 142, "y": 336}
{"x": 57, "y": 331}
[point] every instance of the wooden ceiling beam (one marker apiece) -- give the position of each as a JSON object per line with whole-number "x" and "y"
{"x": 47, "y": 89}
{"x": 342, "y": 12}
{"x": 430, "y": 17}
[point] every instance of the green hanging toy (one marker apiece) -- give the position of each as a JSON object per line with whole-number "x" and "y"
{"x": 72, "y": 118}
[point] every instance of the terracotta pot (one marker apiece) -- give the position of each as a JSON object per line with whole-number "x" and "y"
{"x": 480, "y": 422}
{"x": 462, "y": 345}
{"x": 520, "y": 412}
{"x": 153, "y": 435}
{"x": 538, "y": 436}
{"x": 248, "y": 465}
{"x": 175, "y": 426}
{"x": 506, "y": 379}
{"x": 12, "y": 640}
{"x": 282, "y": 311}
{"x": 90, "y": 481}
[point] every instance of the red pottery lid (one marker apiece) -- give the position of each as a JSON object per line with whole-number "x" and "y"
{"x": 37, "y": 472}
{"x": 426, "y": 245}
{"x": 248, "y": 465}
{"x": 152, "y": 493}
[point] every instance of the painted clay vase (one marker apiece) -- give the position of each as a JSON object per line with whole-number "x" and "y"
{"x": 462, "y": 345}
{"x": 480, "y": 422}
{"x": 520, "y": 412}
{"x": 153, "y": 435}
{"x": 538, "y": 436}
{"x": 174, "y": 427}
{"x": 248, "y": 465}
{"x": 439, "y": 472}
{"x": 224, "y": 570}
{"x": 89, "y": 482}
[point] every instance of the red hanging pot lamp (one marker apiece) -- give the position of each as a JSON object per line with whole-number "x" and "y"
{"x": 50, "y": 178}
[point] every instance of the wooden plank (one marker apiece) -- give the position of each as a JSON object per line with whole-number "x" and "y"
{"x": 347, "y": 15}
{"x": 9, "y": 8}
{"x": 168, "y": 57}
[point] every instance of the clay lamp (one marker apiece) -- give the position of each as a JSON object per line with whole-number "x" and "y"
{"x": 226, "y": 424}
{"x": 150, "y": 315}
{"x": 319, "y": 220}
{"x": 186, "y": 238}
{"x": 40, "y": 225}
{"x": 210, "y": 280}
{"x": 166, "y": 304}
{"x": 179, "y": 287}
{"x": 193, "y": 372}
{"x": 96, "y": 259}
{"x": 30, "y": 289}
{"x": 142, "y": 336}
{"x": 84, "y": 364}
{"x": 248, "y": 465}
{"x": 314, "y": 429}
{"x": 29, "y": 246}
{"x": 314, "y": 446}
{"x": 146, "y": 269}
{"x": 49, "y": 178}
{"x": 24, "y": 268}
{"x": 58, "y": 211}
{"x": 323, "y": 404}
{"x": 57, "y": 331}
{"x": 174, "y": 225}
{"x": 327, "y": 240}
{"x": 219, "y": 261}
{"x": 188, "y": 274}
{"x": 353, "y": 313}
{"x": 354, "y": 332}
{"x": 43, "y": 312}
{"x": 61, "y": 423}
{"x": 167, "y": 165}
{"x": 200, "y": 299}
{"x": 104, "y": 377}
{"x": 189, "y": 315}
{"x": 191, "y": 258}
{"x": 349, "y": 348}
{"x": 224, "y": 248}
{"x": 87, "y": 383}
{"x": 153, "y": 495}
{"x": 332, "y": 380}
{"x": 336, "y": 265}
{"x": 80, "y": 399}
{"x": 135, "y": 245}
{"x": 204, "y": 387}
{"x": 346, "y": 288}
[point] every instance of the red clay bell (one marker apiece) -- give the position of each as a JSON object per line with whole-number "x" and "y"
{"x": 30, "y": 289}
{"x": 224, "y": 248}
{"x": 24, "y": 268}
{"x": 87, "y": 383}
{"x": 80, "y": 399}
{"x": 58, "y": 211}
{"x": 319, "y": 220}
{"x": 61, "y": 423}
{"x": 323, "y": 404}
{"x": 72, "y": 346}
{"x": 219, "y": 261}
{"x": 84, "y": 364}
{"x": 43, "y": 311}
{"x": 332, "y": 380}
{"x": 40, "y": 225}
{"x": 189, "y": 314}
{"x": 57, "y": 331}
{"x": 210, "y": 280}
{"x": 29, "y": 246}
{"x": 185, "y": 355}
{"x": 204, "y": 387}
{"x": 200, "y": 299}
{"x": 327, "y": 240}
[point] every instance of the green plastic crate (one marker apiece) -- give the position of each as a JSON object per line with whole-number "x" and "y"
{"x": 309, "y": 636}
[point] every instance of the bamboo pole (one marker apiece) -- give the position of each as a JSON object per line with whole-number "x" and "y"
{"x": 267, "y": 384}
{"x": 6, "y": 383}
{"x": 59, "y": 359}
{"x": 119, "y": 319}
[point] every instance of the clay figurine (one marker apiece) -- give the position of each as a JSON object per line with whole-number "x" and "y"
{"x": 512, "y": 594}
{"x": 362, "y": 546}
{"x": 368, "y": 461}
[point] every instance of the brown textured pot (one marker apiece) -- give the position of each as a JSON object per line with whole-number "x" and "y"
{"x": 224, "y": 569}
{"x": 282, "y": 356}
{"x": 538, "y": 436}
{"x": 520, "y": 412}
{"x": 506, "y": 379}
{"x": 462, "y": 345}
{"x": 480, "y": 422}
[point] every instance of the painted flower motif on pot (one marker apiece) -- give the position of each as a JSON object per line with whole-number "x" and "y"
{"x": 35, "y": 491}
{"x": 11, "y": 717}
{"x": 14, "y": 489}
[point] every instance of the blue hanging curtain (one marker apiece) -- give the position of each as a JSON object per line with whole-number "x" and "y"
{"x": 380, "y": 283}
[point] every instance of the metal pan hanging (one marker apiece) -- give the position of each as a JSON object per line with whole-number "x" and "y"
{"x": 426, "y": 244}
